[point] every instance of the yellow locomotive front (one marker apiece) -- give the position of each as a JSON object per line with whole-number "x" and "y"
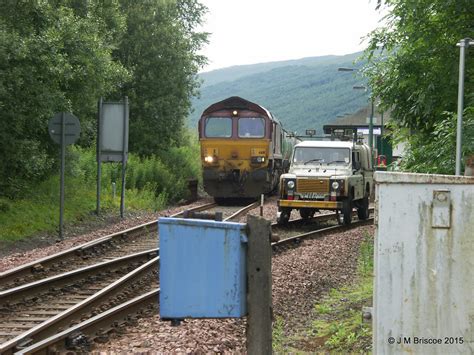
{"x": 238, "y": 150}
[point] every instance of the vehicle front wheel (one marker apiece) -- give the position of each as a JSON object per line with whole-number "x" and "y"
{"x": 284, "y": 216}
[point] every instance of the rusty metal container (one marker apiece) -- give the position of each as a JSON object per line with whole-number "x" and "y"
{"x": 424, "y": 264}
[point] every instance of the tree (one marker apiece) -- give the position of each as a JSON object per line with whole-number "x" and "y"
{"x": 160, "y": 49}
{"x": 54, "y": 56}
{"x": 413, "y": 69}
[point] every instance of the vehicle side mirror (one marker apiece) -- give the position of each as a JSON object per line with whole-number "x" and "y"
{"x": 286, "y": 165}
{"x": 356, "y": 165}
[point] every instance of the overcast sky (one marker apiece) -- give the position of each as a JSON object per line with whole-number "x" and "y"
{"x": 256, "y": 31}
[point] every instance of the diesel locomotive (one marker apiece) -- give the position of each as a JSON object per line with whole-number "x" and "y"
{"x": 244, "y": 149}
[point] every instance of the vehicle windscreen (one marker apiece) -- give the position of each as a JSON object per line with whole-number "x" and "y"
{"x": 322, "y": 155}
{"x": 218, "y": 127}
{"x": 251, "y": 127}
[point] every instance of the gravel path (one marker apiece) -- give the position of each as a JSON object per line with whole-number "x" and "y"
{"x": 300, "y": 276}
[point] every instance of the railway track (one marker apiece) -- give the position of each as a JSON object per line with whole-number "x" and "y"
{"x": 107, "y": 305}
{"x": 42, "y": 307}
{"x": 34, "y": 310}
{"x": 299, "y": 229}
{"x": 129, "y": 241}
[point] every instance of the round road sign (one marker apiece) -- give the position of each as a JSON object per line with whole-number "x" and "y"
{"x": 72, "y": 128}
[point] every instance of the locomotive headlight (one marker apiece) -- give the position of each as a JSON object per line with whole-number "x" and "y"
{"x": 290, "y": 184}
{"x": 335, "y": 185}
{"x": 209, "y": 159}
{"x": 257, "y": 160}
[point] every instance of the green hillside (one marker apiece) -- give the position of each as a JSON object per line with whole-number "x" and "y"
{"x": 303, "y": 93}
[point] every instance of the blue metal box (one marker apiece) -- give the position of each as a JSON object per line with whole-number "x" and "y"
{"x": 202, "y": 269}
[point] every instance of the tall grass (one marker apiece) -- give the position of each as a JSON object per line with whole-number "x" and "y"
{"x": 151, "y": 184}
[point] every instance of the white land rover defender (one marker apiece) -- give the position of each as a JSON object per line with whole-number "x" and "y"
{"x": 327, "y": 175}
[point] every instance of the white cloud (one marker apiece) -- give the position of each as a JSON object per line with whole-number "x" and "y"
{"x": 255, "y": 31}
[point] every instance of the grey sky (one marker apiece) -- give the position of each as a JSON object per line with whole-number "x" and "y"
{"x": 256, "y": 31}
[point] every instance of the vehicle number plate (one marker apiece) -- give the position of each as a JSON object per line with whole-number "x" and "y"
{"x": 311, "y": 195}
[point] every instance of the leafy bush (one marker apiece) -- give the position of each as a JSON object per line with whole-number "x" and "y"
{"x": 151, "y": 184}
{"x": 434, "y": 152}
{"x": 166, "y": 175}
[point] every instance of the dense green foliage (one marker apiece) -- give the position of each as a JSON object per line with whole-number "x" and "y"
{"x": 52, "y": 58}
{"x": 160, "y": 48}
{"x": 151, "y": 183}
{"x": 305, "y": 93}
{"x": 63, "y": 55}
{"x": 414, "y": 68}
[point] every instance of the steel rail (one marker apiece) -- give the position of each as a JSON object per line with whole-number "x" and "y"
{"x": 52, "y": 261}
{"x": 242, "y": 211}
{"x": 12, "y": 294}
{"x": 77, "y": 311}
{"x": 321, "y": 232}
{"x": 319, "y": 218}
{"x": 87, "y": 329}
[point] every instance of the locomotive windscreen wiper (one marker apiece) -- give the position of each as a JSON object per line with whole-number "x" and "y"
{"x": 311, "y": 160}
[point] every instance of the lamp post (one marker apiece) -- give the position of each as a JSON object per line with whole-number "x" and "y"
{"x": 463, "y": 44}
{"x": 371, "y": 119}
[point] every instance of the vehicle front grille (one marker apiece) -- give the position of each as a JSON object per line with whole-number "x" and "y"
{"x": 312, "y": 185}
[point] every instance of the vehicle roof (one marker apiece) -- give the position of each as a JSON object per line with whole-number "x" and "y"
{"x": 328, "y": 144}
{"x": 236, "y": 102}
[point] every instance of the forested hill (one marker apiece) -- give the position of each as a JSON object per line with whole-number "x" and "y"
{"x": 303, "y": 93}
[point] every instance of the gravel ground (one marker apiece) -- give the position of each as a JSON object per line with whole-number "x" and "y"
{"x": 300, "y": 275}
{"x": 21, "y": 252}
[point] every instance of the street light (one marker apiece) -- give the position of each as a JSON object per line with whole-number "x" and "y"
{"x": 371, "y": 120}
{"x": 463, "y": 44}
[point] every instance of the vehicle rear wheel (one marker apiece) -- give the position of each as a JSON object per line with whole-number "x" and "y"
{"x": 347, "y": 210}
{"x": 306, "y": 213}
{"x": 284, "y": 216}
{"x": 363, "y": 210}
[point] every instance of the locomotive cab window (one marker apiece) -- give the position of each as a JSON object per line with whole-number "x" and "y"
{"x": 251, "y": 127}
{"x": 218, "y": 127}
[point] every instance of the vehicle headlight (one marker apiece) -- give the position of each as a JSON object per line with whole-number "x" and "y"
{"x": 335, "y": 185}
{"x": 290, "y": 184}
{"x": 209, "y": 159}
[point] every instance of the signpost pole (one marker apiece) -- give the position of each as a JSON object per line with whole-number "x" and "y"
{"x": 64, "y": 129}
{"x": 99, "y": 169}
{"x": 61, "y": 189}
{"x": 124, "y": 155}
